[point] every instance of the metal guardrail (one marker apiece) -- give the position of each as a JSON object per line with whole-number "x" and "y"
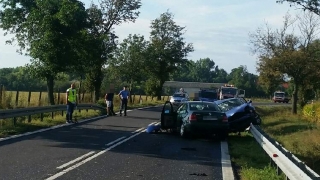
{"x": 290, "y": 165}
{"x": 12, "y": 113}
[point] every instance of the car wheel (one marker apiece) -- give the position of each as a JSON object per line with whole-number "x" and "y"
{"x": 183, "y": 132}
{"x": 223, "y": 135}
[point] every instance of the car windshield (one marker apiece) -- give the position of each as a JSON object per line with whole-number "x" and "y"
{"x": 179, "y": 95}
{"x": 279, "y": 94}
{"x": 202, "y": 106}
{"x": 229, "y": 104}
{"x": 227, "y": 90}
{"x": 208, "y": 94}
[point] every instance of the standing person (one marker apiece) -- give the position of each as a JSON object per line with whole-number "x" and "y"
{"x": 71, "y": 97}
{"x": 109, "y": 101}
{"x": 124, "y": 95}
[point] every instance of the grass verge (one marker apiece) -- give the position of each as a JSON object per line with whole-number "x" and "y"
{"x": 260, "y": 100}
{"x": 249, "y": 160}
{"x": 294, "y": 132}
{"x": 7, "y": 127}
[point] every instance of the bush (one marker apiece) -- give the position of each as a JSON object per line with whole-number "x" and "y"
{"x": 101, "y": 102}
{"x": 312, "y": 112}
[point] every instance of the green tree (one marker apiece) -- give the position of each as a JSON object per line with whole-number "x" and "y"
{"x": 129, "y": 59}
{"x": 104, "y": 18}
{"x": 310, "y": 5}
{"x": 45, "y": 29}
{"x": 284, "y": 55}
{"x": 167, "y": 49}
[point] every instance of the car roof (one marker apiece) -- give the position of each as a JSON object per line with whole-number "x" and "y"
{"x": 224, "y": 100}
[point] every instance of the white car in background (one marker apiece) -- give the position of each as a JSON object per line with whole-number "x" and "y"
{"x": 177, "y": 98}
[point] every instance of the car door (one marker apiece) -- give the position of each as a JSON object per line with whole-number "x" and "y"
{"x": 168, "y": 116}
{"x": 182, "y": 112}
{"x": 241, "y": 93}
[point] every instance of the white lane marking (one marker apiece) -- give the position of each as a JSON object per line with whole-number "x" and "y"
{"x": 143, "y": 128}
{"x": 92, "y": 157}
{"x": 112, "y": 142}
{"x": 63, "y": 125}
{"x": 138, "y": 130}
{"x": 47, "y": 129}
{"x": 75, "y": 160}
{"x": 227, "y": 171}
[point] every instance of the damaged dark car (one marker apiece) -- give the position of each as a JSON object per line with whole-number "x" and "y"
{"x": 240, "y": 112}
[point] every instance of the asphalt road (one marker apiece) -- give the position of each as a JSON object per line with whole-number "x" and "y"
{"x": 110, "y": 148}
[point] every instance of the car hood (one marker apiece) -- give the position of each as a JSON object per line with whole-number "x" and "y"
{"x": 178, "y": 98}
{"x": 207, "y": 99}
{"x": 236, "y": 109}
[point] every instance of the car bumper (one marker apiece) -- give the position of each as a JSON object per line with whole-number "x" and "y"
{"x": 242, "y": 123}
{"x": 207, "y": 128}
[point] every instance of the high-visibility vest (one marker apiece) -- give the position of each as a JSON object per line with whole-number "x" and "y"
{"x": 72, "y": 95}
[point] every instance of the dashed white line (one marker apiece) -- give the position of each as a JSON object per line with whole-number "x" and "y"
{"x": 95, "y": 155}
{"x": 227, "y": 171}
{"x": 112, "y": 142}
{"x": 137, "y": 130}
{"x": 75, "y": 160}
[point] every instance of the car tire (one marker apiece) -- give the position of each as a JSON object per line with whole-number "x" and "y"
{"x": 183, "y": 132}
{"x": 223, "y": 136}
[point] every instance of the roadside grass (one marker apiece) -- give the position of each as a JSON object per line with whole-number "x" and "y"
{"x": 8, "y": 128}
{"x": 261, "y": 100}
{"x": 296, "y": 133}
{"x": 249, "y": 159}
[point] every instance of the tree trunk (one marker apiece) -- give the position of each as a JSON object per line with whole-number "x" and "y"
{"x": 295, "y": 98}
{"x": 97, "y": 87}
{"x": 130, "y": 90}
{"x": 159, "y": 90}
{"x": 50, "y": 84}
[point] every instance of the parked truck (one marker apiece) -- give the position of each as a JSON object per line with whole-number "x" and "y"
{"x": 280, "y": 97}
{"x": 209, "y": 94}
{"x": 230, "y": 91}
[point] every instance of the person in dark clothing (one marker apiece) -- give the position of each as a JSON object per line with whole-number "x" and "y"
{"x": 109, "y": 101}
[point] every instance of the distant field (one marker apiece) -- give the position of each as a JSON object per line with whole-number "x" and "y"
{"x": 11, "y": 100}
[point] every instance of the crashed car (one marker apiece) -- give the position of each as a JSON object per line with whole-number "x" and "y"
{"x": 240, "y": 113}
{"x": 193, "y": 118}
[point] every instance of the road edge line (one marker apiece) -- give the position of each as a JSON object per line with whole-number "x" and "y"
{"x": 227, "y": 170}
{"x": 64, "y": 125}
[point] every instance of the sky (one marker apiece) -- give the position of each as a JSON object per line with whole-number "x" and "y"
{"x": 218, "y": 29}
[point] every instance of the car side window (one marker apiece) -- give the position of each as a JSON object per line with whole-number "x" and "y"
{"x": 224, "y": 106}
{"x": 182, "y": 109}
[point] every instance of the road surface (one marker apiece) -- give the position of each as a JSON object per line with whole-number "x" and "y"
{"x": 113, "y": 148}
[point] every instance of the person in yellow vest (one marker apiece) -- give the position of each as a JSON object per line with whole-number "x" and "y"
{"x": 71, "y": 97}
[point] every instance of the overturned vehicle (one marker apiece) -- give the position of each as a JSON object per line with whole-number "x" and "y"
{"x": 219, "y": 117}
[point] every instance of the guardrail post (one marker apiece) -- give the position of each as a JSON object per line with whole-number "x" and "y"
{"x": 134, "y": 98}
{"x": 59, "y": 96}
{"x": 17, "y": 98}
{"x": 61, "y": 113}
{"x": 1, "y": 93}
{"x": 40, "y": 94}
{"x": 52, "y": 115}
{"x": 29, "y": 98}
{"x": 29, "y": 118}
{"x": 41, "y": 117}
{"x": 146, "y": 97}
{"x": 14, "y": 121}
